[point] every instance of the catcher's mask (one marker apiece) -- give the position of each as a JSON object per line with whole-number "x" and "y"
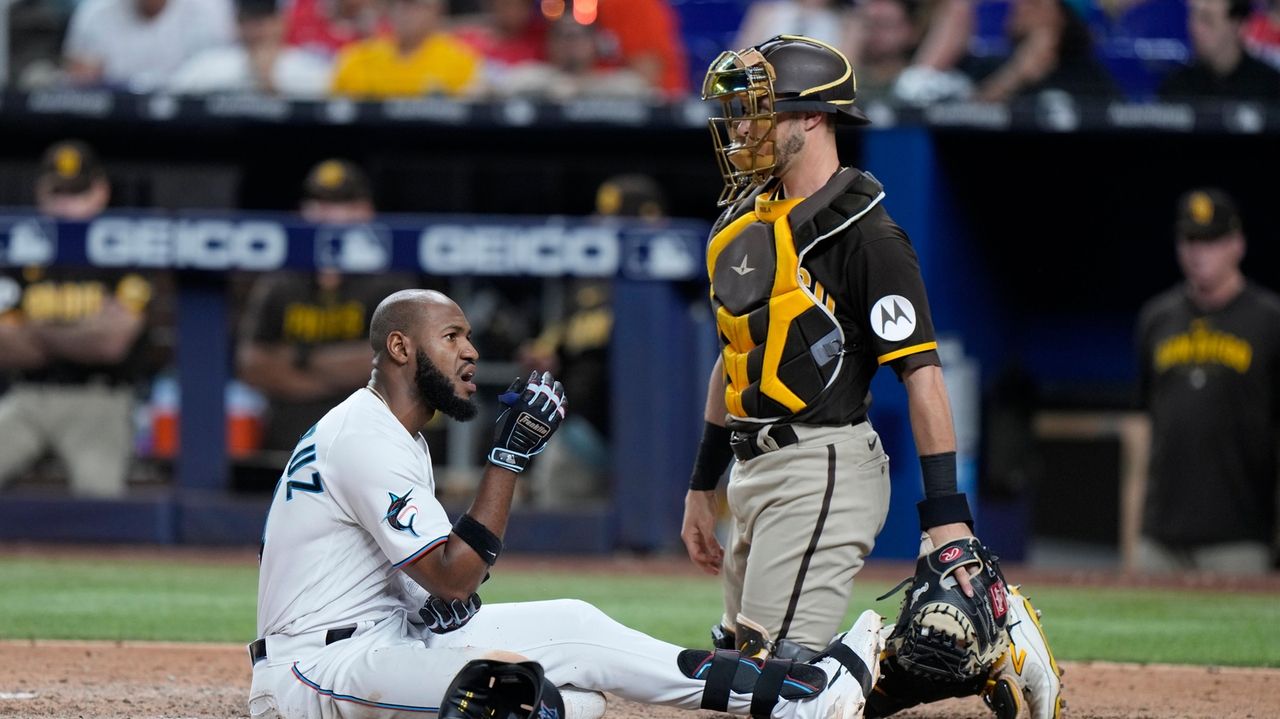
{"x": 787, "y": 73}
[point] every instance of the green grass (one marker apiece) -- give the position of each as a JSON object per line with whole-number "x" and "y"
{"x": 153, "y": 600}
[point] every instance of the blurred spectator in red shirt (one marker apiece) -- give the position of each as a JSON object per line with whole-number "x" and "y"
{"x": 508, "y": 32}
{"x": 1262, "y": 34}
{"x": 573, "y": 69}
{"x": 327, "y": 26}
{"x": 643, "y": 35}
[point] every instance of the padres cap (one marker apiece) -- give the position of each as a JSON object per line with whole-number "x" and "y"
{"x": 336, "y": 180}
{"x": 630, "y": 195}
{"x": 69, "y": 167}
{"x": 1206, "y": 213}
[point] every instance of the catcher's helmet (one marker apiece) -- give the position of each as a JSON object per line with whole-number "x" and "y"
{"x": 810, "y": 75}
{"x": 787, "y": 73}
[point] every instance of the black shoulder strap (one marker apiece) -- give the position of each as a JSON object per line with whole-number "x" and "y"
{"x": 847, "y": 196}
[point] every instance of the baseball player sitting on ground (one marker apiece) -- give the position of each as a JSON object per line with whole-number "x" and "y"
{"x": 839, "y": 293}
{"x": 367, "y": 602}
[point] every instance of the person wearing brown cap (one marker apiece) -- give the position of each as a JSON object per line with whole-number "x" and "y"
{"x": 76, "y": 343}
{"x": 72, "y": 184}
{"x": 302, "y": 337}
{"x": 576, "y": 344}
{"x": 1209, "y": 379}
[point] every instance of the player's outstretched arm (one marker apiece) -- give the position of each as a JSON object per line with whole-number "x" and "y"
{"x": 929, "y": 409}
{"x": 534, "y": 410}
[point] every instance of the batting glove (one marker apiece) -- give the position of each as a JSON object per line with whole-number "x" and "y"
{"x": 443, "y": 617}
{"x": 534, "y": 409}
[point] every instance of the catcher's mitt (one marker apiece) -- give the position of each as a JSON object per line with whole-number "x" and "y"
{"x": 943, "y": 635}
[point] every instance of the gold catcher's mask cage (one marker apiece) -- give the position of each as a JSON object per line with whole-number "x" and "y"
{"x": 742, "y": 81}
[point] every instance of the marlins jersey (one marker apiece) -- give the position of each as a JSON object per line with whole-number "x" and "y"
{"x": 355, "y": 503}
{"x": 811, "y": 296}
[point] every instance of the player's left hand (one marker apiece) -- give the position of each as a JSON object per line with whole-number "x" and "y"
{"x": 534, "y": 409}
{"x": 944, "y": 533}
{"x": 443, "y": 617}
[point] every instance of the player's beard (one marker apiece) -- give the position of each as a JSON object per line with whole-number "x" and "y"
{"x": 787, "y": 149}
{"x": 436, "y": 390}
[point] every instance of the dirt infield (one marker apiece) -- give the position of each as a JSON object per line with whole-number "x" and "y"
{"x": 135, "y": 680}
{"x": 138, "y": 680}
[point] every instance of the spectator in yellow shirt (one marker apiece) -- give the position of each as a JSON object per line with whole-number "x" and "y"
{"x": 417, "y": 58}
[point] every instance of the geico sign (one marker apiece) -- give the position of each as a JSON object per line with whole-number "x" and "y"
{"x": 197, "y": 244}
{"x": 507, "y": 250}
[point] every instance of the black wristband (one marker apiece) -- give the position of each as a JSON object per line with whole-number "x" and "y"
{"x": 939, "y": 473}
{"x": 714, "y": 455}
{"x": 478, "y": 537}
{"x": 947, "y": 509}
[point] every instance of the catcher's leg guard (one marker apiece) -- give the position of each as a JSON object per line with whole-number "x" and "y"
{"x": 490, "y": 689}
{"x": 754, "y": 641}
{"x": 1003, "y": 697}
{"x": 767, "y": 681}
{"x": 723, "y": 638}
{"x": 1027, "y": 673}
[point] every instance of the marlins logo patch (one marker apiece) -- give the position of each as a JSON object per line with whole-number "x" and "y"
{"x": 893, "y": 318}
{"x": 400, "y": 514}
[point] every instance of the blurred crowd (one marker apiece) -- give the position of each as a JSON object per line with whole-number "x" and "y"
{"x": 904, "y": 51}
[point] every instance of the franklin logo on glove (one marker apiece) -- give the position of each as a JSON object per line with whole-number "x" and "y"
{"x": 527, "y": 421}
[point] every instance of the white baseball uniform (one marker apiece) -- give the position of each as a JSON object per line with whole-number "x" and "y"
{"x": 357, "y": 502}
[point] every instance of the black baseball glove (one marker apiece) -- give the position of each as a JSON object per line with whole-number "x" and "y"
{"x": 941, "y": 633}
{"x": 534, "y": 409}
{"x": 944, "y": 643}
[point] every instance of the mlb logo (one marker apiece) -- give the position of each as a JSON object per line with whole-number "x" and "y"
{"x": 26, "y": 241}
{"x": 355, "y": 248}
{"x": 661, "y": 256}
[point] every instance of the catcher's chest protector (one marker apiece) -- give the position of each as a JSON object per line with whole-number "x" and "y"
{"x": 782, "y": 344}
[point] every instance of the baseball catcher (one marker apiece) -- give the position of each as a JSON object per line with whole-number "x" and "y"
{"x": 948, "y": 644}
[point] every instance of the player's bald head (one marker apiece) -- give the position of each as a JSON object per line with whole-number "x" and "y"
{"x": 403, "y": 312}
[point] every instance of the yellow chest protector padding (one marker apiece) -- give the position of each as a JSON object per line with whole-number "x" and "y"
{"x": 782, "y": 344}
